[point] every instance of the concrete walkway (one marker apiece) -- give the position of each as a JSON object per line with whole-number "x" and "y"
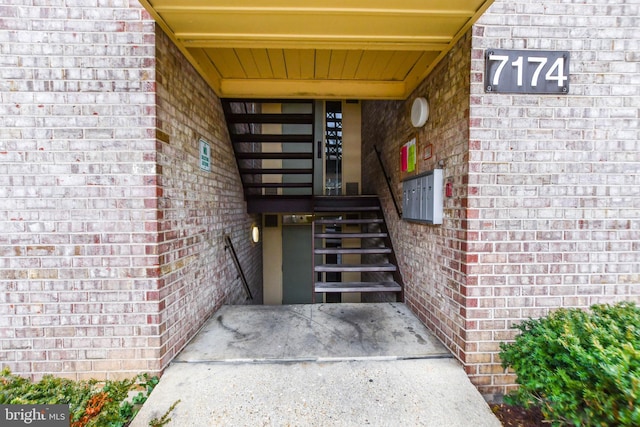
{"x": 316, "y": 365}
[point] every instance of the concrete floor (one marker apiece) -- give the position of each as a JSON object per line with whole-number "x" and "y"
{"x": 316, "y": 365}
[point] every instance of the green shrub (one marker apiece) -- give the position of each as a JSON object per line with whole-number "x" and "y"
{"x": 580, "y": 367}
{"x": 90, "y": 403}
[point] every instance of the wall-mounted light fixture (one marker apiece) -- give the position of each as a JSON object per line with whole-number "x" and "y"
{"x": 255, "y": 234}
{"x": 419, "y": 112}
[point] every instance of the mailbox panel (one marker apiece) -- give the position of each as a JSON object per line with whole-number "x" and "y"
{"x": 422, "y": 198}
{"x": 405, "y": 198}
{"x": 415, "y": 199}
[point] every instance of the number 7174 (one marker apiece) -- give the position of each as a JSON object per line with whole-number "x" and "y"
{"x": 555, "y": 72}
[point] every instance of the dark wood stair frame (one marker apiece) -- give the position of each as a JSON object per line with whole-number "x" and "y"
{"x": 350, "y": 211}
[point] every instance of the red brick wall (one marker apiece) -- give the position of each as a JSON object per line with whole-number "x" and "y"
{"x": 555, "y": 180}
{"x": 76, "y": 159}
{"x": 432, "y": 258}
{"x": 545, "y": 211}
{"x": 111, "y": 242}
{"x": 196, "y": 209}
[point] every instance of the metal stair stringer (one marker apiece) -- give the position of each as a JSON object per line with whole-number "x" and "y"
{"x": 273, "y": 145}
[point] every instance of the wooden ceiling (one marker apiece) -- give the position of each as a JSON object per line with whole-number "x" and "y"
{"x": 330, "y": 49}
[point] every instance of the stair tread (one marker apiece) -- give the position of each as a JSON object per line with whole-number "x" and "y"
{"x": 278, "y": 185}
{"x": 357, "y": 287}
{"x": 361, "y": 197}
{"x": 279, "y": 118}
{"x": 350, "y": 235}
{"x": 258, "y": 171}
{"x": 274, "y": 156}
{"x": 354, "y": 267}
{"x": 350, "y": 221}
{"x": 346, "y": 208}
{"x": 262, "y": 138}
{"x": 346, "y": 203}
{"x": 380, "y": 250}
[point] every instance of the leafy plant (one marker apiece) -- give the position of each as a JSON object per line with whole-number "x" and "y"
{"x": 127, "y": 410}
{"x": 91, "y": 404}
{"x": 580, "y": 367}
{"x": 165, "y": 417}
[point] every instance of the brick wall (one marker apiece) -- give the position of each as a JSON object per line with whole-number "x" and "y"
{"x": 196, "y": 209}
{"x": 430, "y": 257}
{"x": 545, "y": 210}
{"x": 111, "y": 250}
{"x": 76, "y": 156}
{"x": 554, "y": 185}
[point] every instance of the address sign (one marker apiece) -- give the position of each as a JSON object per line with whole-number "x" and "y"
{"x": 526, "y": 71}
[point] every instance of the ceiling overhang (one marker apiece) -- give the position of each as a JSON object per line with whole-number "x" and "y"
{"x": 331, "y": 49}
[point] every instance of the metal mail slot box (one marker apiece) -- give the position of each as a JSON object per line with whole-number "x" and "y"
{"x": 422, "y": 198}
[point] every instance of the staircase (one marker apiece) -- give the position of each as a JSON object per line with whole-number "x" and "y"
{"x": 274, "y": 148}
{"x": 352, "y": 249}
{"x": 273, "y": 145}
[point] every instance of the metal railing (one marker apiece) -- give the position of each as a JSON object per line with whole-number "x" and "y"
{"x": 388, "y": 179}
{"x": 236, "y": 261}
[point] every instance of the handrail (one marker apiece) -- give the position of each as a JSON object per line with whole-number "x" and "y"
{"x": 236, "y": 261}
{"x": 388, "y": 179}
{"x": 397, "y": 275}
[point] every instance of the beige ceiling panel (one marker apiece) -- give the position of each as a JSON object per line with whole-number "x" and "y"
{"x": 206, "y": 67}
{"x": 351, "y": 63}
{"x": 366, "y": 63}
{"x": 404, "y": 64}
{"x": 395, "y": 62}
{"x": 380, "y": 65}
{"x": 227, "y": 63}
{"x": 421, "y": 69}
{"x": 263, "y": 63}
{"x": 292, "y": 63}
{"x": 307, "y": 64}
{"x": 323, "y": 61}
{"x": 336, "y": 65}
{"x": 248, "y": 63}
{"x": 377, "y": 49}
{"x": 278, "y": 66}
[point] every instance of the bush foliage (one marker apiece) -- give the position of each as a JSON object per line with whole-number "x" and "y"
{"x": 581, "y": 367}
{"x": 91, "y": 403}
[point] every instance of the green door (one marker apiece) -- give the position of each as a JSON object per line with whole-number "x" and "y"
{"x": 296, "y": 264}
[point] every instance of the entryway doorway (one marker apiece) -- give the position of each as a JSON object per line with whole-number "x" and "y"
{"x": 297, "y": 276}
{"x": 337, "y": 172}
